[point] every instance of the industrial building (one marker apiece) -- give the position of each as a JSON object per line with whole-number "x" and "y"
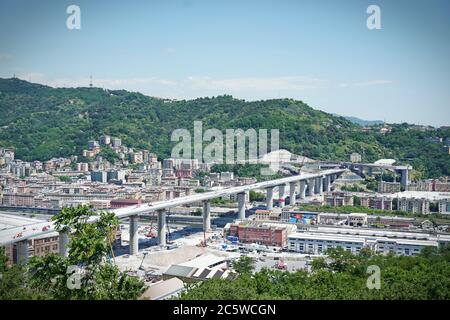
{"x": 270, "y": 234}
{"x": 319, "y": 243}
{"x": 316, "y": 240}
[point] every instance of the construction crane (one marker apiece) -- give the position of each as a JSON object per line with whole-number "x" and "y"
{"x": 142, "y": 261}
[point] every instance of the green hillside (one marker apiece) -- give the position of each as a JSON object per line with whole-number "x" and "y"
{"x": 41, "y": 122}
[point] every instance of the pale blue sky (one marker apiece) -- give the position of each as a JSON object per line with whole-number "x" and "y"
{"x": 319, "y": 51}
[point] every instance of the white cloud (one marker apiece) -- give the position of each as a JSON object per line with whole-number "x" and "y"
{"x": 250, "y": 88}
{"x": 365, "y": 83}
{"x": 100, "y": 82}
{"x": 5, "y": 56}
{"x": 372, "y": 83}
{"x": 263, "y": 84}
{"x": 190, "y": 87}
{"x": 169, "y": 50}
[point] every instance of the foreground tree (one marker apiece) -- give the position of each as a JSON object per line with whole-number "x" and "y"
{"x": 86, "y": 273}
{"x": 341, "y": 276}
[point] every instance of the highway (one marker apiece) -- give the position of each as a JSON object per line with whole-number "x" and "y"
{"x": 16, "y": 234}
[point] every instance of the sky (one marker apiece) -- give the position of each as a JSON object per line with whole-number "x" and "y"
{"x": 317, "y": 51}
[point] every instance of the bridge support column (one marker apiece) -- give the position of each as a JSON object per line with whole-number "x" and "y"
{"x": 318, "y": 185}
{"x": 321, "y": 184}
{"x": 63, "y": 243}
{"x": 134, "y": 238}
{"x": 22, "y": 251}
{"x": 327, "y": 183}
{"x": 302, "y": 189}
{"x": 241, "y": 206}
{"x": 206, "y": 216}
{"x": 370, "y": 171}
{"x": 404, "y": 177}
{"x": 333, "y": 177}
{"x": 269, "y": 198}
{"x": 311, "y": 187}
{"x": 281, "y": 194}
{"x": 162, "y": 227}
{"x": 292, "y": 193}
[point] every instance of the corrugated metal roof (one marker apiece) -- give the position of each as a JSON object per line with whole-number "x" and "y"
{"x": 180, "y": 271}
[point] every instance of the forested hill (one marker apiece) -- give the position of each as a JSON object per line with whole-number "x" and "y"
{"x": 41, "y": 122}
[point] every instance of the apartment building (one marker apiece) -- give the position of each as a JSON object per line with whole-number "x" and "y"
{"x": 338, "y": 199}
{"x": 379, "y": 202}
{"x": 388, "y": 187}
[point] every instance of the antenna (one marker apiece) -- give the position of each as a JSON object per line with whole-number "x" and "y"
{"x": 90, "y": 82}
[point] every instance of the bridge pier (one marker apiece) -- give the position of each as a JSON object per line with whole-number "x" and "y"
{"x": 302, "y": 189}
{"x": 311, "y": 187}
{"x": 281, "y": 194}
{"x": 22, "y": 251}
{"x": 63, "y": 243}
{"x": 333, "y": 177}
{"x": 269, "y": 198}
{"x": 318, "y": 185}
{"x": 404, "y": 180}
{"x": 134, "y": 238}
{"x": 292, "y": 193}
{"x": 241, "y": 206}
{"x": 206, "y": 216}
{"x": 162, "y": 227}
{"x": 327, "y": 183}
{"x": 321, "y": 185}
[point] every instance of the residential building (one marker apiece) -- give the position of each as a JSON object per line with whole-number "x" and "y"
{"x": 99, "y": 176}
{"x": 378, "y": 202}
{"x": 116, "y": 142}
{"x": 105, "y": 139}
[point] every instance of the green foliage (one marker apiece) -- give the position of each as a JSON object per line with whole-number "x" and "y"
{"x": 85, "y": 274}
{"x": 64, "y": 178}
{"x": 256, "y": 196}
{"x": 109, "y": 154}
{"x": 244, "y": 265}
{"x": 342, "y": 276}
{"x": 220, "y": 201}
{"x": 12, "y": 281}
{"x": 90, "y": 242}
{"x": 42, "y": 122}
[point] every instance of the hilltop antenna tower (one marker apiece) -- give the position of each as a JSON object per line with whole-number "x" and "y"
{"x": 90, "y": 82}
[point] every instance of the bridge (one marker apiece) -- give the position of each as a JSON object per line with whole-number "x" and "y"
{"x": 300, "y": 186}
{"x": 367, "y": 168}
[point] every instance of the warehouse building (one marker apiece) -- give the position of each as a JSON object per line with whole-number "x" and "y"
{"x": 316, "y": 243}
